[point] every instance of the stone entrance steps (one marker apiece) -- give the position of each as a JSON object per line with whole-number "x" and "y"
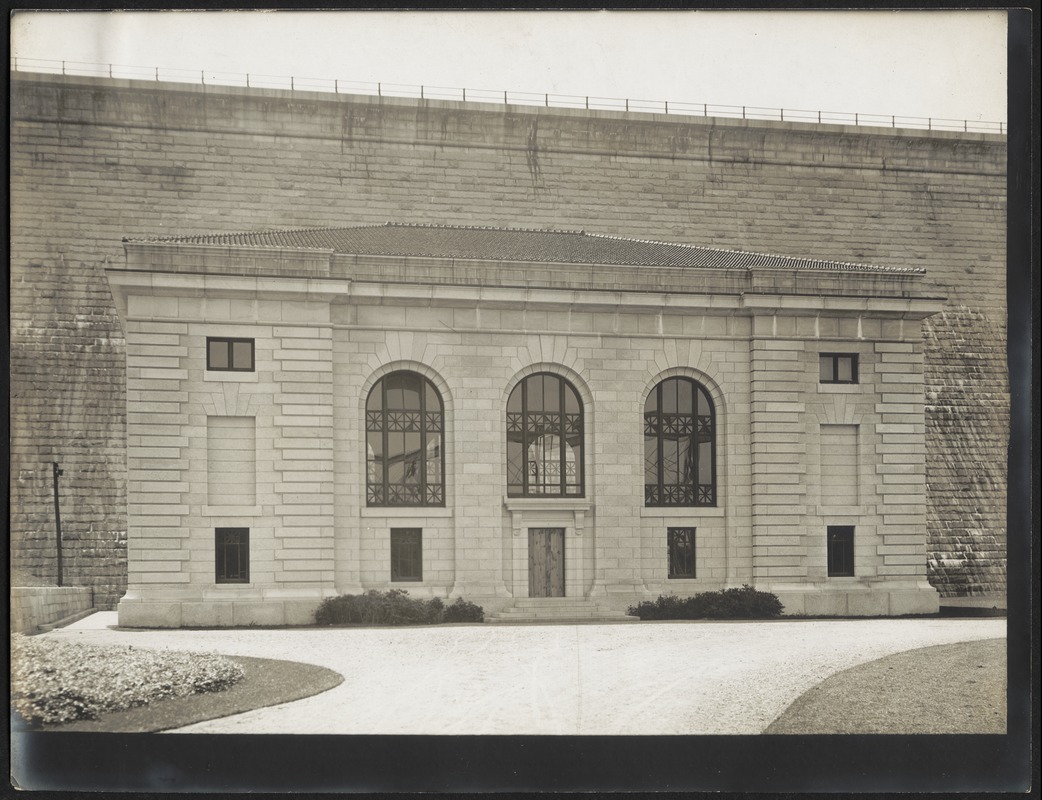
{"x": 558, "y": 609}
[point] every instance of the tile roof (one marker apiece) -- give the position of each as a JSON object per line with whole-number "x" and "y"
{"x": 514, "y": 244}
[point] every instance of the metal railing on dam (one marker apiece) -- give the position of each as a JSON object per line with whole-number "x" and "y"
{"x": 504, "y": 96}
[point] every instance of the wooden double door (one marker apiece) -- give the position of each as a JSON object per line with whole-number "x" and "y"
{"x": 546, "y": 562}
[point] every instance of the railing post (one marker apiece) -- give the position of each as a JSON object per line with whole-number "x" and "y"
{"x": 743, "y": 112}
{"x": 421, "y": 91}
{"x": 110, "y": 70}
{"x": 782, "y": 110}
{"x": 965, "y": 123}
{"x": 157, "y": 73}
{"x": 57, "y": 518}
{"x": 63, "y": 68}
{"x": 893, "y": 120}
{"x": 504, "y": 97}
{"x": 202, "y": 77}
{"x": 587, "y": 102}
{"x": 705, "y": 109}
{"x": 379, "y": 90}
{"x": 667, "y": 106}
{"x": 291, "y": 84}
{"x": 247, "y": 80}
{"x": 929, "y": 123}
{"x": 627, "y": 104}
{"x": 546, "y": 100}
{"x": 819, "y": 117}
{"x": 855, "y": 118}
{"x": 464, "y": 94}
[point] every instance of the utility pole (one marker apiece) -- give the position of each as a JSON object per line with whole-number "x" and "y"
{"x": 58, "y": 519}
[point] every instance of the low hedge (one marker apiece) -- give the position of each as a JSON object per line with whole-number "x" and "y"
{"x": 743, "y": 603}
{"x": 394, "y": 607}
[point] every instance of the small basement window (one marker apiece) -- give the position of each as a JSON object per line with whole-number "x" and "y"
{"x": 232, "y": 555}
{"x": 406, "y": 554}
{"x": 229, "y": 355}
{"x": 837, "y": 367}
{"x": 681, "y": 543}
{"x": 841, "y": 551}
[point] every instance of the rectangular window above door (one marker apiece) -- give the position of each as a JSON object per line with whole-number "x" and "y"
{"x": 837, "y": 368}
{"x": 229, "y": 355}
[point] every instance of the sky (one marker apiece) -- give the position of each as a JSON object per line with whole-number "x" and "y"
{"x": 940, "y": 64}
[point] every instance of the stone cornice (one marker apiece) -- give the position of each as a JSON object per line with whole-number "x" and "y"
{"x": 341, "y": 290}
{"x": 301, "y": 273}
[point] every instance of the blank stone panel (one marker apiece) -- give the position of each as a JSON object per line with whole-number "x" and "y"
{"x": 231, "y": 461}
{"x": 839, "y": 465}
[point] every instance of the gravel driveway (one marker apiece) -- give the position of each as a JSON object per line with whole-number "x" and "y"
{"x": 651, "y": 678}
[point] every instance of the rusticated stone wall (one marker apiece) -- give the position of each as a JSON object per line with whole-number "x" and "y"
{"x": 94, "y": 160}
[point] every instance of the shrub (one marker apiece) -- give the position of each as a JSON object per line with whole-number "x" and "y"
{"x": 54, "y": 681}
{"x": 464, "y": 611}
{"x": 665, "y": 606}
{"x": 740, "y": 603}
{"x": 393, "y": 607}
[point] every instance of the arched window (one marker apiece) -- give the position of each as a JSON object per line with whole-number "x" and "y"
{"x": 679, "y": 445}
{"x": 405, "y": 442}
{"x": 544, "y": 438}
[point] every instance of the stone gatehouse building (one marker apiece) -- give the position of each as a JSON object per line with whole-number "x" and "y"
{"x": 502, "y": 413}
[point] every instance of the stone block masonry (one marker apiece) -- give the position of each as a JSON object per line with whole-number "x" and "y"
{"x": 33, "y": 606}
{"x": 94, "y": 160}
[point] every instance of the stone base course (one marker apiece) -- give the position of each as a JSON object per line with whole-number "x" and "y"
{"x": 274, "y": 611}
{"x": 823, "y": 602}
{"x": 188, "y": 611}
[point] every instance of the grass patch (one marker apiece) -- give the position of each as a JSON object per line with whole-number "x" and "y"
{"x": 950, "y": 688}
{"x": 56, "y": 682}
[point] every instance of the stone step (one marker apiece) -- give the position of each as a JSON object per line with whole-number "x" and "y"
{"x": 511, "y": 619}
{"x": 560, "y": 620}
{"x": 557, "y": 612}
{"x": 561, "y": 612}
{"x": 558, "y": 609}
{"x": 547, "y": 602}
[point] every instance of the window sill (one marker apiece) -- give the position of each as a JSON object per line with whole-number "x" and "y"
{"x": 232, "y": 592}
{"x": 685, "y": 512}
{"x": 232, "y": 511}
{"x": 405, "y": 512}
{"x": 223, "y": 375}
{"x": 547, "y": 503}
{"x": 841, "y": 388}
